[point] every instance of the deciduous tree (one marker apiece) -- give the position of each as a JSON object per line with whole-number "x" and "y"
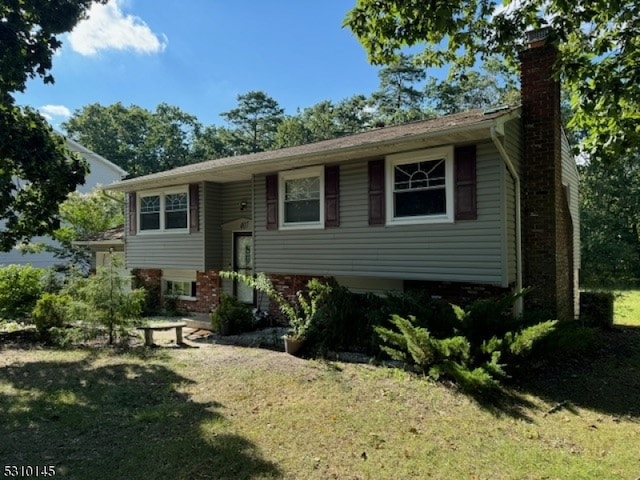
{"x": 610, "y": 223}
{"x": 599, "y": 46}
{"x": 36, "y": 170}
{"x": 136, "y": 139}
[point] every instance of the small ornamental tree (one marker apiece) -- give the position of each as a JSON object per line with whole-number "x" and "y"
{"x": 106, "y": 298}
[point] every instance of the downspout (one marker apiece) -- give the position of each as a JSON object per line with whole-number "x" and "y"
{"x": 519, "y": 306}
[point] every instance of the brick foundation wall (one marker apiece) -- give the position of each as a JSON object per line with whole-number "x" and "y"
{"x": 462, "y": 294}
{"x": 547, "y": 256}
{"x": 288, "y": 285}
{"x": 208, "y": 289}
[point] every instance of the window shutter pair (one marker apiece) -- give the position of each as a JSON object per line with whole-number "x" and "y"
{"x": 331, "y": 198}
{"x": 464, "y": 184}
{"x": 194, "y": 210}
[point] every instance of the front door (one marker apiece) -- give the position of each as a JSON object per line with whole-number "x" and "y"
{"x": 243, "y": 264}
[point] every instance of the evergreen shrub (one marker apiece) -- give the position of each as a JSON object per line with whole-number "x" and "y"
{"x": 51, "y": 310}
{"x": 20, "y": 289}
{"x": 231, "y": 317}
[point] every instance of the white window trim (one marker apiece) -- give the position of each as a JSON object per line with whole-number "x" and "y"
{"x": 162, "y": 194}
{"x": 178, "y": 276}
{"x": 291, "y": 175}
{"x": 445, "y": 153}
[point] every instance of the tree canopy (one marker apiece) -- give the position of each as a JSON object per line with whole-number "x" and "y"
{"x": 610, "y": 223}
{"x": 36, "y": 170}
{"x": 136, "y": 139}
{"x": 256, "y": 121}
{"x": 399, "y": 98}
{"x": 599, "y": 44}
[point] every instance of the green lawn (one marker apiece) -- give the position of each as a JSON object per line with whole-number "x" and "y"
{"x": 627, "y": 308}
{"x": 224, "y": 412}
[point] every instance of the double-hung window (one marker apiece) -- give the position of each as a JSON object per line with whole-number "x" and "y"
{"x": 420, "y": 187}
{"x": 150, "y": 212}
{"x": 164, "y": 211}
{"x": 176, "y": 207}
{"x": 301, "y": 201}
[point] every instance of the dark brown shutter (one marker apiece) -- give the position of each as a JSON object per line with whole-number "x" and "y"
{"x": 376, "y": 192}
{"x": 133, "y": 214}
{"x": 272, "y": 202}
{"x": 465, "y": 183}
{"x": 332, "y": 196}
{"x": 194, "y": 208}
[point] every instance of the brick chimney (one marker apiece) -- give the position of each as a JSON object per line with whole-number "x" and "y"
{"x": 547, "y": 232}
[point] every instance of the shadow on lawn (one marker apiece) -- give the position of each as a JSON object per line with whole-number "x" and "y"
{"x": 125, "y": 420}
{"x": 606, "y": 380}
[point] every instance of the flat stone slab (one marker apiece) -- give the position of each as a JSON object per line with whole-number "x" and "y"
{"x": 154, "y": 326}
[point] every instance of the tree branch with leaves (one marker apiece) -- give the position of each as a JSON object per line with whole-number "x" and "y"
{"x": 598, "y": 43}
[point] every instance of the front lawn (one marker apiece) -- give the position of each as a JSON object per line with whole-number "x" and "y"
{"x": 627, "y": 308}
{"x": 225, "y": 412}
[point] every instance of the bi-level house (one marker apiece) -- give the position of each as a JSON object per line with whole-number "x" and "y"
{"x": 466, "y": 205}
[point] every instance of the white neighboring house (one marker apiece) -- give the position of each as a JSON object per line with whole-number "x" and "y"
{"x": 101, "y": 172}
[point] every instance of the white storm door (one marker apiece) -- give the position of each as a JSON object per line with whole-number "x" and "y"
{"x": 243, "y": 264}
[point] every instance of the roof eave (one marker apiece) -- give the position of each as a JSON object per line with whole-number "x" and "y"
{"x": 249, "y": 167}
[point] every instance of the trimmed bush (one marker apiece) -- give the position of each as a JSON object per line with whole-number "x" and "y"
{"x": 435, "y": 315}
{"x": 342, "y": 322}
{"x": 231, "y": 317}
{"x": 20, "y": 289}
{"x": 50, "y": 311}
{"x": 596, "y": 309}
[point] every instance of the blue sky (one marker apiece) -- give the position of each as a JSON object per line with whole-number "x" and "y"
{"x": 200, "y": 55}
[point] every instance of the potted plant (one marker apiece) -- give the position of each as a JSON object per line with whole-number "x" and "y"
{"x": 300, "y": 311}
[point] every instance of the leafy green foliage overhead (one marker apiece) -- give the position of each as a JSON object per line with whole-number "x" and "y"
{"x": 36, "y": 170}
{"x": 599, "y": 44}
{"x": 29, "y": 32}
{"x": 36, "y": 174}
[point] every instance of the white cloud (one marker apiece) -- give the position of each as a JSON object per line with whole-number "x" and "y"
{"x": 53, "y": 111}
{"x": 107, "y": 27}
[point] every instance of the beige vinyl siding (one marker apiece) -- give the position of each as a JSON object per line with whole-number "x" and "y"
{"x": 570, "y": 177}
{"x": 167, "y": 250}
{"x": 513, "y": 147}
{"x": 467, "y": 251}
{"x": 233, "y": 194}
{"x": 211, "y": 212}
